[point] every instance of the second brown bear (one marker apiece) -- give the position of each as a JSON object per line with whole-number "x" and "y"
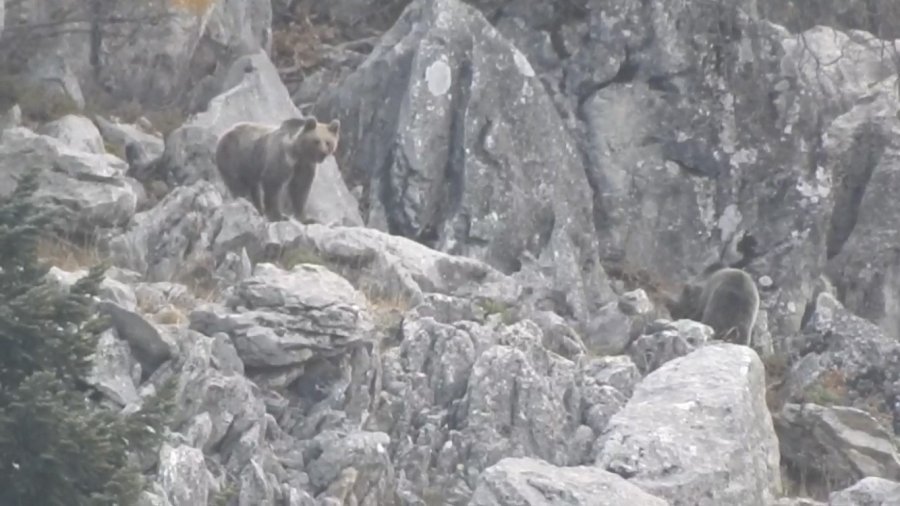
{"x": 724, "y": 298}
{"x": 260, "y": 162}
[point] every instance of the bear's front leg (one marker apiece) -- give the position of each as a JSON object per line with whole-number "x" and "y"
{"x": 299, "y": 187}
{"x": 255, "y": 197}
{"x": 272, "y": 200}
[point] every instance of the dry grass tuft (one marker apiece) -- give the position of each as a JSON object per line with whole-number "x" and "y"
{"x": 292, "y": 257}
{"x": 386, "y": 308}
{"x": 776, "y": 367}
{"x": 170, "y": 315}
{"x": 299, "y": 46}
{"x": 68, "y": 255}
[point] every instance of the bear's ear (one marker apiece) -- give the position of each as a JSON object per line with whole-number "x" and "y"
{"x": 335, "y": 126}
{"x": 310, "y": 124}
{"x": 293, "y": 124}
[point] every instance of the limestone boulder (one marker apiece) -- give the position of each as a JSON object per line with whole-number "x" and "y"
{"x": 697, "y": 431}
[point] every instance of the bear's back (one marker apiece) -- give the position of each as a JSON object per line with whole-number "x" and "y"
{"x": 730, "y": 301}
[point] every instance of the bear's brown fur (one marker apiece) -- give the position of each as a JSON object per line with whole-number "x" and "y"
{"x": 724, "y": 298}
{"x": 260, "y": 162}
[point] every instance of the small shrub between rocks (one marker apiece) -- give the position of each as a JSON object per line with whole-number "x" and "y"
{"x": 387, "y": 311}
{"x": 776, "y": 367}
{"x": 293, "y": 257}
{"x": 829, "y": 390}
{"x": 508, "y": 314}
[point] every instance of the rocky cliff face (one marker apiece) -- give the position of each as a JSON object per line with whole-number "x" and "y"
{"x": 473, "y": 314}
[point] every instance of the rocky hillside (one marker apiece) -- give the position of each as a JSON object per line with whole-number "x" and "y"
{"x": 472, "y": 314}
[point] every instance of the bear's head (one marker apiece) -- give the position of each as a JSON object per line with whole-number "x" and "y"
{"x": 311, "y": 139}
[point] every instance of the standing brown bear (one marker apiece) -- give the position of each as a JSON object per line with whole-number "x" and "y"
{"x": 257, "y": 161}
{"x": 724, "y": 298}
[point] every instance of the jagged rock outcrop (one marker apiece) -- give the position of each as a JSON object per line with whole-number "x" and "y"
{"x": 86, "y": 189}
{"x": 685, "y": 126}
{"x": 186, "y": 235}
{"x": 467, "y": 347}
{"x": 494, "y": 392}
{"x": 840, "y": 443}
{"x": 476, "y": 169}
{"x": 709, "y": 403}
{"x": 859, "y": 149}
{"x": 845, "y": 359}
{"x": 280, "y": 320}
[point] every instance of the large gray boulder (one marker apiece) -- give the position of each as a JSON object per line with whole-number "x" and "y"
{"x": 76, "y": 132}
{"x": 279, "y": 319}
{"x": 186, "y": 236}
{"x": 869, "y": 491}
{"x": 457, "y": 145}
{"x": 697, "y": 431}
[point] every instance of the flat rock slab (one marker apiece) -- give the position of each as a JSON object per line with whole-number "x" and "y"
{"x": 532, "y": 482}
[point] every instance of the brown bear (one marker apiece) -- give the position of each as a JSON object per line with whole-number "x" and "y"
{"x": 724, "y": 298}
{"x": 259, "y": 162}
